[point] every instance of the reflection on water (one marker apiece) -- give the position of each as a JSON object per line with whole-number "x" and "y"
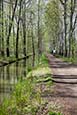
{"x": 9, "y": 75}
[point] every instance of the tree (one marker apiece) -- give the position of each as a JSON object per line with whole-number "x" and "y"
{"x": 52, "y": 21}
{"x": 10, "y": 28}
{"x": 70, "y": 19}
{"x": 17, "y": 37}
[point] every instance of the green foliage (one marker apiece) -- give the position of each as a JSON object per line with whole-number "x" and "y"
{"x": 29, "y": 69}
{"x": 41, "y": 70}
{"x": 55, "y": 113}
{"x": 24, "y": 100}
{"x": 68, "y": 59}
{"x": 52, "y": 18}
{"x": 71, "y": 59}
{"x": 44, "y": 59}
{"x": 47, "y": 79}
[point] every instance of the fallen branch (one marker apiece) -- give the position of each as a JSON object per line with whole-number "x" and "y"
{"x": 16, "y": 60}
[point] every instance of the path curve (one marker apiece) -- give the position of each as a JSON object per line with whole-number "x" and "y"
{"x": 65, "y": 88}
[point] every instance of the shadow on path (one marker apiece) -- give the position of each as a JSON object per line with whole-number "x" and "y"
{"x": 65, "y": 84}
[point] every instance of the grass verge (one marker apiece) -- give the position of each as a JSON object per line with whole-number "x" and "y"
{"x": 72, "y": 60}
{"x": 26, "y": 98}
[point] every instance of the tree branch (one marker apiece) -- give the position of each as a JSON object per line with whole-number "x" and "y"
{"x": 2, "y": 63}
{"x": 61, "y": 1}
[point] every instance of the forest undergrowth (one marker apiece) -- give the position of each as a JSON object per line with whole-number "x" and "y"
{"x": 28, "y": 95}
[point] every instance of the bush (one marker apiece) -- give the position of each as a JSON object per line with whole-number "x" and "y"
{"x": 55, "y": 113}
{"x": 44, "y": 59}
{"x": 24, "y": 100}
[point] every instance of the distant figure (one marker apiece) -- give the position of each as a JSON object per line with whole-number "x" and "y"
{"x": 54, "y": 52}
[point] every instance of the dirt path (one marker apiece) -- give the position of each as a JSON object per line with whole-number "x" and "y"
{"x": 65, "y": 90}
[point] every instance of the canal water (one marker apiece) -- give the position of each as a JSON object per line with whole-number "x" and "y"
{"x": 10, "y": 75}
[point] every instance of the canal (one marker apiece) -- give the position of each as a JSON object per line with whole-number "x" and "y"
{"x": 10, "y": 75}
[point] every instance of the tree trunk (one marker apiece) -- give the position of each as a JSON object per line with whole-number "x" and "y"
{"x": 33, "y": 48}
{"x": 39, "y": 37}
{"x": 65, "y": 26}
{"x": 2, "y": 50}
{"x": 0, "y": 29}
{"x": 17, "y": 37}
{"x": 24, "y": 37}
{"x": 10, "y": 28}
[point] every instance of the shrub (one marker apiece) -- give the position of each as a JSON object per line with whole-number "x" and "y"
{"x": 55, "y": 113}
{"x": 24, "y": 100}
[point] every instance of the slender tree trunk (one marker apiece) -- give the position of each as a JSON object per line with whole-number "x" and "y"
{"x": 65, "y": 26}
{"x": 14, "y": 38}
{"x": 39, "y": 48}
{"x": 70, "y": 33}
{"x": 62, "y": 44}
{"x": 17, "y": 37}
{"x": 0, "y": 29}
{"x": 33, "y": 48}
{"x": 2, "y": 51}
{"x": 24, "y": 36}
{"x": 10, "y": 28}
{"x": 24, "y": 30}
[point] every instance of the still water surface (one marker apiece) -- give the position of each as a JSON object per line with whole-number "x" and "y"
{"x": 9, "y": 76}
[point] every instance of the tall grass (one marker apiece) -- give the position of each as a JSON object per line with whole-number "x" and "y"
{"x": 24, "y": 100}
